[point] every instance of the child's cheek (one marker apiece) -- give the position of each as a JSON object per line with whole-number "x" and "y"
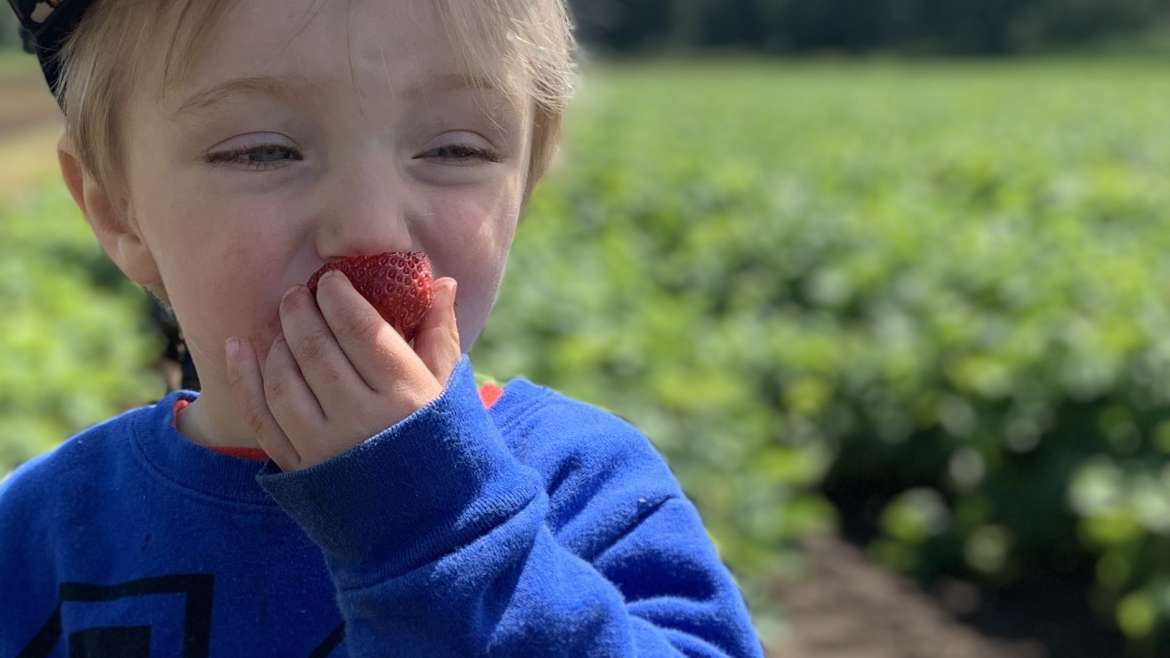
{"x": 469, "y": 241}
{"x": 239, "y": 295}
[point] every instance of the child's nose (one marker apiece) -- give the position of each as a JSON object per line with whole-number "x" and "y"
{"x": 368, "y": 211}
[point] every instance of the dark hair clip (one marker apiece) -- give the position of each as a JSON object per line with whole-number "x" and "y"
{"x": 44, "y": 24}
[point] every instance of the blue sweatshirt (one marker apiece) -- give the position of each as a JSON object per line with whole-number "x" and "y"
{"x": 542, "y": 526}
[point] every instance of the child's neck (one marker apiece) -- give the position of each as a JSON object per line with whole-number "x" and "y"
{"x": 194, "y": 424}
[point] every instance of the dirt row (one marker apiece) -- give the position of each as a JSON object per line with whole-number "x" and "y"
{"x": 848, "y": 607}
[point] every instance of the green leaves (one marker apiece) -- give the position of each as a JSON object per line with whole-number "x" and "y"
{"x": 75, "y": 345}
{"x": 943, "y": 285}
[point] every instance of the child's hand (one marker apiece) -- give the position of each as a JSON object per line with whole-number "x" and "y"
{"x": 340, "y": 374}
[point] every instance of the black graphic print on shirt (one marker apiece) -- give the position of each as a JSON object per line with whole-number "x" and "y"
{"x": 128, "y": 628}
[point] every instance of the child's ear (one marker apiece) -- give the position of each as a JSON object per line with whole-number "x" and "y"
{"x": 118, "y": 234}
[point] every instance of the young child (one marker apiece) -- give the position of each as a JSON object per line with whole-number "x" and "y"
{"x": 334, "y": 489}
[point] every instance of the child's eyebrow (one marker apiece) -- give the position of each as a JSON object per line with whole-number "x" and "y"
{"x": 288, "y": 87}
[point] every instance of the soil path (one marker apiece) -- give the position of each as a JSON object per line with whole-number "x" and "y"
{"x": 25, "y": 105}
{"x": 30, "y": 125}
{"x": 848, "y": 607}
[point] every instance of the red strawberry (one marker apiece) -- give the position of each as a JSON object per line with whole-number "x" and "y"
{"x": 397, "y": 283}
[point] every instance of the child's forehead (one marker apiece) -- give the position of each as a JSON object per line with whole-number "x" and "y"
{"x": 293, "y": 87}
{"x": 399, "y": 47}
{"x": 325, "y": 44}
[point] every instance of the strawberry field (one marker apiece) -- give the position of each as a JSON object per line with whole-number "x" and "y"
{"x": 926, "y": 301}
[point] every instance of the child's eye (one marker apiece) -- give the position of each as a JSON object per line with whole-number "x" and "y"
{"x": 462, "y": 153}
{"x": 265, "y": 156}
{"x": 270, "y": 156}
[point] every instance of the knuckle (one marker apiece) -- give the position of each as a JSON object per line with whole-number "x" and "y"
{"x": 291, "y": 302}
{"x": 254, "y": 416}
{"x": 364, "y": 328}
{"x": 329, "y": 376}
{"x": 314, "y": 347}
{"x": 235, "y": 377}
{"x": 275, "y": 388}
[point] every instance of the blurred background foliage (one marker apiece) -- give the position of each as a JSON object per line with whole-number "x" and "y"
{"x": 986, "y": 27}
{"x": 922, "y": 300}
{"x": 74, "y": 337}
{"x": 889, "y": 284}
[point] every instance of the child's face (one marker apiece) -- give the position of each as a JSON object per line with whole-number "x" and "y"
{"x": 373, "y": 142}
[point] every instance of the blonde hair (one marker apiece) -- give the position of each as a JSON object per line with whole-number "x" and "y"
{"x": 106, "y": 54}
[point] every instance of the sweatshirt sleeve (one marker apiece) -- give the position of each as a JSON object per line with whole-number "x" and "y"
{"x": 441, "y": 542}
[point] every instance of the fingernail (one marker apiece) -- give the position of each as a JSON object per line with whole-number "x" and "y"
{"x": 452, "y": 292}
{"x": 288, "y": 294}
{"x": 233, "y": 362}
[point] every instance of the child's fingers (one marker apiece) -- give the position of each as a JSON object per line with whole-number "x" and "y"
{"x": 293, "y": 406}
{"x": 437, "y": 339}
{"x": 248, "y": 390}
{"x": 324, "y": 366}
{"x": 373, "y": 346}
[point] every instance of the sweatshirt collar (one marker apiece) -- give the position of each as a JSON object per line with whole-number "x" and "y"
{"x": 206, "y": 473}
